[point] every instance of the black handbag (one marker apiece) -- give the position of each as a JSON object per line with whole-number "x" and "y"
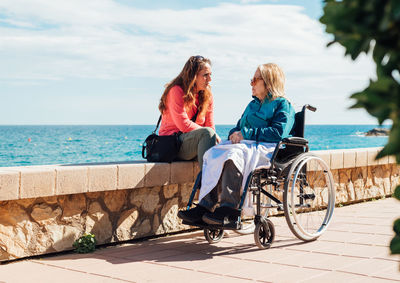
{"x": 162, "y": 148}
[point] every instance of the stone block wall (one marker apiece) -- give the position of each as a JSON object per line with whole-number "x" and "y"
{"x": 44, "y": 209}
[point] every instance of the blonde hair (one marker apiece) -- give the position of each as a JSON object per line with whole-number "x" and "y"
{"x": 274, "y": 79}
{"x": 186, "y": 80}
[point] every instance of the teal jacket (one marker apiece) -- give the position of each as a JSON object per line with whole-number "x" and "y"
{"x": 268, "y": 121}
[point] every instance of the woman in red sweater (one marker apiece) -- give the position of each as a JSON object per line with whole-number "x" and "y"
{"x": 190, "y": 93}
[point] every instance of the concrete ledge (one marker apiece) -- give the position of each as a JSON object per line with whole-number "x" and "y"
{"x": 71, "y": 180}
{"x": 103, "y": 178}
{"x": 183, "y": 172}
{"x": 349, "y": 159}
{"x": 9, "y": 185}
{"x": 54, "y": 180}
{"x": 37, "y": 182}
{"x": 361, "y": 158}
{"x": 130, "y": 176}
{"x": 157, "y": 174}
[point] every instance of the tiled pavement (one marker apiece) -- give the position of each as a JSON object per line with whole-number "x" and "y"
{"x": 354, "y": 249}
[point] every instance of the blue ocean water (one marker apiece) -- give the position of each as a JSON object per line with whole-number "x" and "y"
{"x": 41, "y": 145}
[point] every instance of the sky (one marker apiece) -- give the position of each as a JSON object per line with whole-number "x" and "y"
{"x": 107, "y": 61}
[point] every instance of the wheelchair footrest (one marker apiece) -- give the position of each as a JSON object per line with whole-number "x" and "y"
{"x": 303, "y": 205}
{"x": 229, "y": 226}
{"x": 279, "y": 207}
{"x": 194, "y": 223}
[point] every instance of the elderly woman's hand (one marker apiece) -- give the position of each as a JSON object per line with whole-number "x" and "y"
{"x": 236, "y": 137}
{"x": 218, "y": 138}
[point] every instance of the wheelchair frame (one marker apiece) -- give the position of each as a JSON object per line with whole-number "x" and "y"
{"x": 289, "y": 161}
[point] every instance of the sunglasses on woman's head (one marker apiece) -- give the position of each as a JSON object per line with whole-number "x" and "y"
{"x": 196, "y": 61}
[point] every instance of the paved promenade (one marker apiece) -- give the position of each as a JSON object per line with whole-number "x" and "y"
{"x": 354, "y": 249}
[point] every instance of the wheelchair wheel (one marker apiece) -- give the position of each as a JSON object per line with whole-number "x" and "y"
{"x": 264, "y": 234}
{"x": 213, "y": 235}
{"x": 308, "y": 197}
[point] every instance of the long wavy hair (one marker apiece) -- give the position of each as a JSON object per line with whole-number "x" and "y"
{"x": 274, "y": 79}
{"x": 186, "y": 80}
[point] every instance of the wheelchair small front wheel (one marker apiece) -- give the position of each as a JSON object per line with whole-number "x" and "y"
{"x": 264, "y": 234}
{"x": 213, "y": 235}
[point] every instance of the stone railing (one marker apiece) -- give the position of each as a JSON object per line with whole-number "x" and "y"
{"x": 43, "y": 209}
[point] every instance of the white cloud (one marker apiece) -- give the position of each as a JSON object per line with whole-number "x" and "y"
{"x": 249, "y": 1}
{"x": 54, "y": 40}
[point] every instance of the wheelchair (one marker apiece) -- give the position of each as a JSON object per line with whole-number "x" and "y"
{"x": 297, "y": 182}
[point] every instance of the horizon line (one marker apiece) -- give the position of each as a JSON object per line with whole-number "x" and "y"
{"x": 308, "y": 124}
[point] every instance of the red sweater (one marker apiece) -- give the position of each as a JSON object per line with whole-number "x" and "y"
{"x": 176, "y": 118}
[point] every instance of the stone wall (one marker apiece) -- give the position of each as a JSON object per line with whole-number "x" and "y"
{"x": 51, "y": 224}
{"x": 44, "y": 209}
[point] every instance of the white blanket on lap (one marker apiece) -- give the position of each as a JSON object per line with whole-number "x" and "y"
{"x": 246, "y": 155}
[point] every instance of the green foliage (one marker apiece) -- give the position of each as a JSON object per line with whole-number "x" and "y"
{"x": 372, "y": 25}
{"x": 395, "y": 243}
{"x": 364, "y": 26}
{"x": 396, "y": 193}
{"x": 85, "y": 244}
{"x": 396, "y": 226}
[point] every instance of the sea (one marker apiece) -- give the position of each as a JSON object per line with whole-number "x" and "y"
{"x": 45, "y": 145}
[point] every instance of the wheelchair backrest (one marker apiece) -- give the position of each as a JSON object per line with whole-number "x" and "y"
{"x": 290, "y": 151}
{"x": 300, "y": 120}
{"x": 298, "y": 127}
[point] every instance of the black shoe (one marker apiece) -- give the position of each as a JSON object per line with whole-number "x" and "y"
{"x": 193, "y": 215}
{"x": 223, "y": 216}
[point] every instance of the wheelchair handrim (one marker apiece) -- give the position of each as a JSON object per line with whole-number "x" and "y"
{"x": 330, "y": 204}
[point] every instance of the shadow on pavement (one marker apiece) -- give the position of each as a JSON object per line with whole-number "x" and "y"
{"x": 180, "y": 248}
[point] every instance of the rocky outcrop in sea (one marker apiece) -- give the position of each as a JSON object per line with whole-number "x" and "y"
{"x": 377, "y": 132}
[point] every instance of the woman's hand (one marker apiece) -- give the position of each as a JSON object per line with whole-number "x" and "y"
{"x": 236, "y": 137}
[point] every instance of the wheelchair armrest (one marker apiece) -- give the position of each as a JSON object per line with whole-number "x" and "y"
{"x": 295, "y": 140}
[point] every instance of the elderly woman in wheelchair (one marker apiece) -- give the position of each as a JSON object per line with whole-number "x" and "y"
{"x": 265, "y": 150}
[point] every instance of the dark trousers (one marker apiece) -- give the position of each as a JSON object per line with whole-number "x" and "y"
{"x": 227, "y": 190}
